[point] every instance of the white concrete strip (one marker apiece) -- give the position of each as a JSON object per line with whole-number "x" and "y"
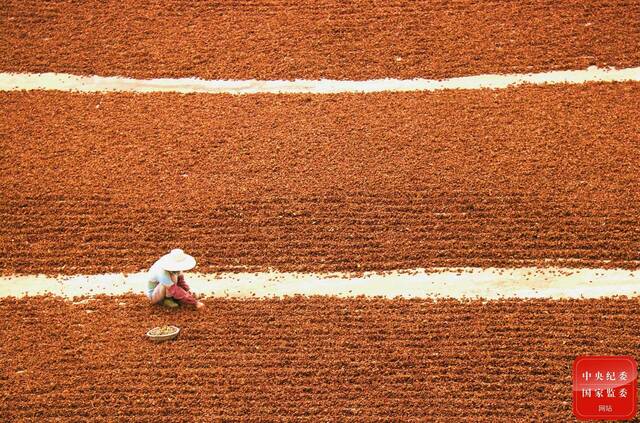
{"x": 470, "y": 283}
{"x": 68, "y": 82}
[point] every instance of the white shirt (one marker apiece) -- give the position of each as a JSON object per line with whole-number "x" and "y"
{"x": 158, "y": 274}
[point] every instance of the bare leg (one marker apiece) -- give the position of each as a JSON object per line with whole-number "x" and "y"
{"x": 159, "y": 294}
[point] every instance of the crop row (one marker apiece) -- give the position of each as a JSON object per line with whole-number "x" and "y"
{"x": 304, "y": 358}
{"x": 266, "y": 39}
{"x": 521, "y": 176}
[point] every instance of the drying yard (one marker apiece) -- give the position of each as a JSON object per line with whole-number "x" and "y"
{"x": 327, "y": 188}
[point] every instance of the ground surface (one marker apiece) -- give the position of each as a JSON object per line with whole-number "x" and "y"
{"x": 316, "y": 39}
{"x": 90, "y": 183}
{"x": 534, "y": 175}
{"x": 306, "y": 359}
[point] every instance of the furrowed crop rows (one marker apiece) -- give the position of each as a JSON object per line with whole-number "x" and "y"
{"x": 316, "y": 39}
{"x": 524, "y": 176}
{"x": 304, "y": 358}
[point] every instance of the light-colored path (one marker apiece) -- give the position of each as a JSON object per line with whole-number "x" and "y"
{"x": 470, "y": 283}
{"x": 67, "y": 82}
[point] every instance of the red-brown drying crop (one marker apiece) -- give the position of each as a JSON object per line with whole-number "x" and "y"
{"x": 304, "y": 359}
{"x": 533, "y": 175}
{"x": 314, "y": 39}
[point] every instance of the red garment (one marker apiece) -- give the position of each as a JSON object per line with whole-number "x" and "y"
{"x": 182, "y": 283}
{"x": 180, "y": 292}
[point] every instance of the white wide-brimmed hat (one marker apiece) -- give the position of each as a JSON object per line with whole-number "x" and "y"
{"x": 177, "y": 260}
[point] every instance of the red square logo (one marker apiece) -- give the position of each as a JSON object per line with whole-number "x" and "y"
{"x": 605, "y": 387}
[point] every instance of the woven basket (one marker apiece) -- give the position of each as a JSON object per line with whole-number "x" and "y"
{"x": 166, "y": 337}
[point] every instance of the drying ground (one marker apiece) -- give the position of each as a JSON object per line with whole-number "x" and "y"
{"x": 313, "y": 39}
{"x": 304, "y": 359}
{"x": 107, "y": 182}
{"x": 533, "y": 175}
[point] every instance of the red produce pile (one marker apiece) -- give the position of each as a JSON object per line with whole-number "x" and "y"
{"x": 316, "y": 38}
{"x": 308, "y": 359}
{"x": 523, "y": 176}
